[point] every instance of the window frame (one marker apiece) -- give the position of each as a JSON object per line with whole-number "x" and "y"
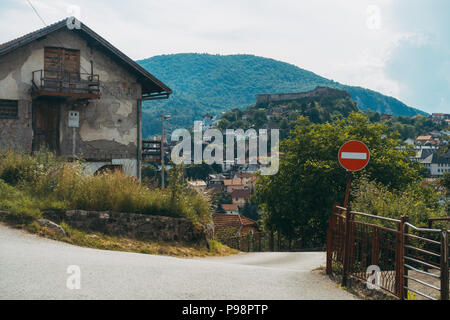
{"x": 15, "y": 105}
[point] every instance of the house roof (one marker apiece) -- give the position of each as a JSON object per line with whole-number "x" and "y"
{"x": 224, "y": 220}
{"x": 215, "y": 186}
{"x": 241, "y": 193}
{"x": 423, "y": 153}
{"x": 233, "y": 182}
{"x": 424, "y": 138}
{"x": 216, "y": 177}
{"x": 197, "y": 183}
{"x": 244, "y": 175}
{"x": 436, "y": 158}
{"x": 151, "y": 86}
{"x": 213, "y": 191}
{"x": 229, "y": 207}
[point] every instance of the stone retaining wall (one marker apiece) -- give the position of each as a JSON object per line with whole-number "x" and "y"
{"x": 138, "y": 226}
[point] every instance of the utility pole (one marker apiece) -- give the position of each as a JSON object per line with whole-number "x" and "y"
{"x": 163, "y": 117}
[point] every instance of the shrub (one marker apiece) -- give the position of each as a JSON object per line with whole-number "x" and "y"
{"x": 16, "y": 168}
{"x": 417, "y": 201}
{"x": 42, "y": 181}
{"x": 21, "y": 206}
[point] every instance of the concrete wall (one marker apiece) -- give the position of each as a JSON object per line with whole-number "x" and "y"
{"x": 17, "y": 134}
{"x": 438, "y": 169}
{"x": 108, "y": 126}
{"x": 15, "y": 84}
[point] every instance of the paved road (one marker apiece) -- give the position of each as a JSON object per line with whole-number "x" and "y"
{"x": 36, "y": 268}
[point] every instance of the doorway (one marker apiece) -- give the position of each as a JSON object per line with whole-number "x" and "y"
{"x": 46, "y": 118}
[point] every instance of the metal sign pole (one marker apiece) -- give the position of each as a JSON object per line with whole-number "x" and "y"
{"x": 73, "y": 141}
{"x": 347, "y": 190}
{"x": 162, "y": 151}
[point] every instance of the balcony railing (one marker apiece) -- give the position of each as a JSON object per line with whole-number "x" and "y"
{"x": 66, "y": 84}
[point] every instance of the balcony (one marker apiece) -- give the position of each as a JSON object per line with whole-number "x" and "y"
{"x": 65, "y": 84}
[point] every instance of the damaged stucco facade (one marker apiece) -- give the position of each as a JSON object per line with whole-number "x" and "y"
{"x": 109, "y": 127}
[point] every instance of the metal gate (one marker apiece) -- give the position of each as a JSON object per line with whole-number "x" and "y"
{"x": 407, "y": 260}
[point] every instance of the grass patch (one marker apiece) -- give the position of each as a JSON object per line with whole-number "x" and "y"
{"x": 101, "y": 241}
{"x": 31, "y": 184}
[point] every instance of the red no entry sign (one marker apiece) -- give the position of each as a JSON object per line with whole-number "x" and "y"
{"x": 354, "y": 155}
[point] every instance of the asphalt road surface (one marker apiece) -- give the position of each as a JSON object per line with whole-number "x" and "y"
{"x": 36, "y": 268}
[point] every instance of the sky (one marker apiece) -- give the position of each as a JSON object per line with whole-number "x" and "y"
{"x": 400, "y": 48}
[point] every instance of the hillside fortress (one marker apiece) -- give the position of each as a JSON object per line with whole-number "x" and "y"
{"x": 316, "y": 93}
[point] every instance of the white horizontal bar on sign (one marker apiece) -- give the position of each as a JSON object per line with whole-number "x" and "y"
{"x": 354, "y": 155}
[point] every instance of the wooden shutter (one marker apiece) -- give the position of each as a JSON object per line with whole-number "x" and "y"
{"x": 52, "y": 62}
{"x": 71, "y": 61}
{"x": 60, "y": 62}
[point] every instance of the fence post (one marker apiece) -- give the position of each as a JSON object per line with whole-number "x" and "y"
{"x": 375, "y": 247}
{"x": 271, "y": 241}
{"x": 444, "y": 265}
{"x": 405, "y": 269}
{"x": 279, "y": 240}
{"x": 331, "y": 223}
{"x": 399, "y": 253}
{"x": 347, "y": 245}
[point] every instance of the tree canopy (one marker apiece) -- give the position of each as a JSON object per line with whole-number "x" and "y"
{"x": 297, "y": 201}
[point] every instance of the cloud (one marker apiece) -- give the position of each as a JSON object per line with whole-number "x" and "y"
{"x": 355, "y": 42}
{"x": 421, "y": 61}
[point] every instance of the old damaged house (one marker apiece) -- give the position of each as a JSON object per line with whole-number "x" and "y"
{"x": 66, "y": 89}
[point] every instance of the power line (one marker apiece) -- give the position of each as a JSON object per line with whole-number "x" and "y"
{"x": 62, "y": 45}
{"x": 37, "y": 13}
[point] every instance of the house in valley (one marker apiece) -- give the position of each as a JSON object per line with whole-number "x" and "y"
{"x": 234, "y": 224}
{"x": 68, "y": 90}
{"x": 248, "y": 179}
{"x": 233, "y": 184}
{"x": 437, "y": 164}
{"x": 230, "y": 208}
{"x": 240, "y": 196}
{"x": 423, "y": 140}
{"x": 198, "y": 185}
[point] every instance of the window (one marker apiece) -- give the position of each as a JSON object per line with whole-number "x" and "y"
{"x": 9, "y": 109}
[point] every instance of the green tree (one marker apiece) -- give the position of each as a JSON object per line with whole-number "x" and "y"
{"x": 220, "y": 198}
{"x": 284, "y": 128}
{"x": 417, "y": 201}
{"x": 259, "y": 118}
{"x": 150, "y": 175}
{"x": 224, "y": 124}
{"x": 199, "y": 171}
{"x": 445, "y": 181}
{"x": 250, "y": 210}
{"x": 298, "y": 200}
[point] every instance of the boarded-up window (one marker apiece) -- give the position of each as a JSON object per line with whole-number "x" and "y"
{"x": 61, "y": 63}
{"x": 9, "y": 109}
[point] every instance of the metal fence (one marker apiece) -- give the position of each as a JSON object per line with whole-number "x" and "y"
{"x": 261, "y": 242}
{"x": 408, "y": 260}
{"x": 256, "y": 242}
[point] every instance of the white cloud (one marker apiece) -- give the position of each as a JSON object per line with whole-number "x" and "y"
{"x": 328, "y": 37}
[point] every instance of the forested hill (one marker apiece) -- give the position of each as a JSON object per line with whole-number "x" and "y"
{"x": 215, "y": 83}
